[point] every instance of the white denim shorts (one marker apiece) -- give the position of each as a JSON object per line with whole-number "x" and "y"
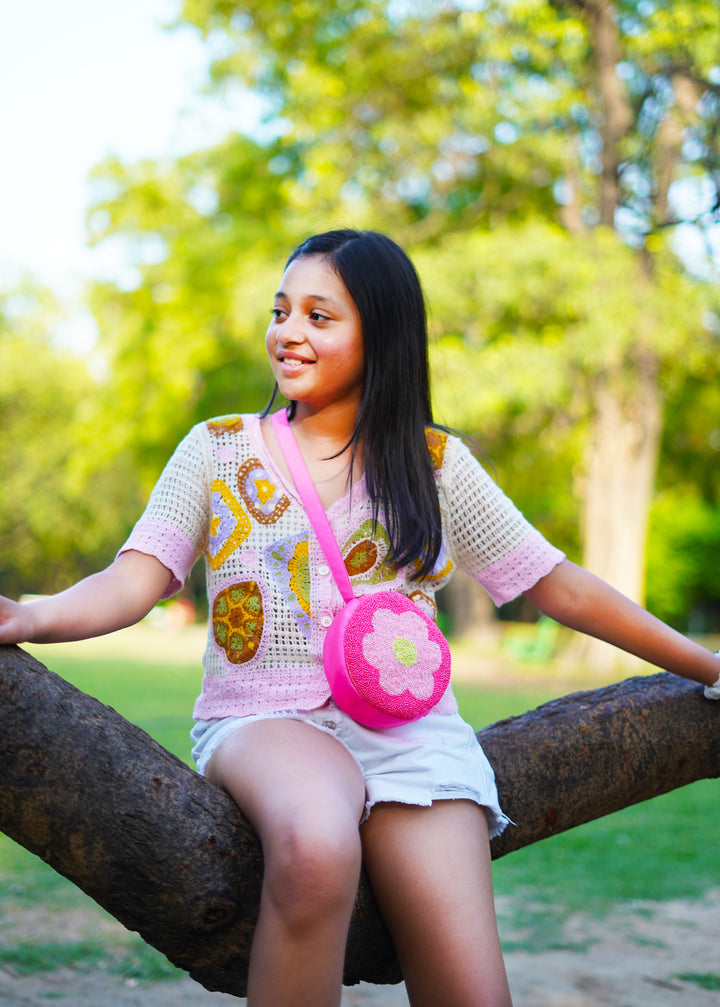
{"x": 434, "y": 758}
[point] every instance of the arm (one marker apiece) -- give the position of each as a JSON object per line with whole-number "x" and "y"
{"x": 114, "y": 598}
{"x": 578, "y": 599}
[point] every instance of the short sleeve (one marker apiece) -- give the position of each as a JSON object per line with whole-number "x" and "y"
{"x": 174, "y": 526}
{"x": 490, "y": 538}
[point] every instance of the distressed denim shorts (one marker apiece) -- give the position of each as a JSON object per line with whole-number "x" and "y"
{"x": 434, "y": 758}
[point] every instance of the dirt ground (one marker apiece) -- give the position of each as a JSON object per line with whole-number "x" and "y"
{"x": 631, "y": 958}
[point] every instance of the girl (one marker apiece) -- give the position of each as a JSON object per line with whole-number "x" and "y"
{"x": 347, "y": 344}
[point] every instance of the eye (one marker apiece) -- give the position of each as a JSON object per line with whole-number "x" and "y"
{"x": 315, "y": 316}
{"x": 277, "y": 313}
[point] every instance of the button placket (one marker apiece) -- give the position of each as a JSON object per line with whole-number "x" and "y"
{"x": 325, "y": 594}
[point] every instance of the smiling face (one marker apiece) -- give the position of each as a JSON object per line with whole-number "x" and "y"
{"x": 315, "y": 339}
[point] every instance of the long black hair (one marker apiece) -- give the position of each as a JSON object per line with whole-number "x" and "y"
{"x": 395, "y": 404}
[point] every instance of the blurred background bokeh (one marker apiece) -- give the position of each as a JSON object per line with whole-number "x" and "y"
{"x": 553, "y": 168}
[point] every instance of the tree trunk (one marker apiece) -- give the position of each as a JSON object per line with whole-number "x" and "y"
{"x": 619, "y": 484}
{"x": 627, "y": 415}
{"x": 171, "y": 856}
{"x": 601, "y": 17}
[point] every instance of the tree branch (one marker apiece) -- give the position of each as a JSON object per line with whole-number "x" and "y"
{"x": 171, "y": 856}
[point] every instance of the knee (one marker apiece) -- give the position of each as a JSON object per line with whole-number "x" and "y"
{"x": 312, "y": 870}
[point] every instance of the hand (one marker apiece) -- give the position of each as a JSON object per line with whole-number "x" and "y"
{"x": 713, "y": 691}
{"x": 16, "y": 624}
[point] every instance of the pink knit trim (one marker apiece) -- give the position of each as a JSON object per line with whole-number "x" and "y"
{"x": 167, "y": 544}
{"x": 230, "y": 695}
{"x": 521, "y": 569}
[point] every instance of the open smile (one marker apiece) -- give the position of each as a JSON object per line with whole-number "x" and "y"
{"x": 290, "y": 363}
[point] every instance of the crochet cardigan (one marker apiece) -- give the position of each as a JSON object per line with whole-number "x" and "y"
{"x": 270, "y": 592}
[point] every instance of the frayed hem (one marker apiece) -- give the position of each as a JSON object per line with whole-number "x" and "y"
{"x": 496, "y": 819}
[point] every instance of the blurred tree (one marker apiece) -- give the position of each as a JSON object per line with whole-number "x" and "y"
{"x": 684, "y": 542}
{"x": 183, "y": 329}
{"x": 602, "y": 116}
{"x": 58, "y": 503}
{"x": 683, "y": 569}
{"x": 539, "y": 160}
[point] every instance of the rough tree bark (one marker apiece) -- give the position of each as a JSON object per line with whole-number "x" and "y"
{"x": 171, "y": 856}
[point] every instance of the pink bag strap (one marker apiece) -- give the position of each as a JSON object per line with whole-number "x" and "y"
{"x": 311, "y": 502}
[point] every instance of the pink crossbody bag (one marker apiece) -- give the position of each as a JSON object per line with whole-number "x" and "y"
{"x": 386, "y": 662}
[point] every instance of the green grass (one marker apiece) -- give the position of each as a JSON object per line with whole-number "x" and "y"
{"x": 707, "y": 981}
{"x": 654, "y": 851}
{"x": 136, "y": 961}
{"x": 157, "y": 697}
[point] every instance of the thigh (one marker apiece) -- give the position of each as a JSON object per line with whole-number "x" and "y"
{"x": 281, "y": 770}
{"x": 431, "y": 873}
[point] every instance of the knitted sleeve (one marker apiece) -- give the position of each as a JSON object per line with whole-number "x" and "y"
{"x": 491, "y": 539}
{"x": 175, "y": 524}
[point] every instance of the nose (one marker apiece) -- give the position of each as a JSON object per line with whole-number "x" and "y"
{"x": 290, "y": 332}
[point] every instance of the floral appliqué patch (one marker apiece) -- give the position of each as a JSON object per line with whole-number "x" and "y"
{"x": 237, "y": 620}
{"x": 402, "y": 653}
{"x": 263, "y": 498}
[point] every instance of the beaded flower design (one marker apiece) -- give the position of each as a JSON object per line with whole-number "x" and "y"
{"x": 385, "y": 660}
{"x": 401, "y": 651}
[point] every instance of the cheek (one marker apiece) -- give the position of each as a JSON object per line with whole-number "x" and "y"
{"x": 270, "y": 342}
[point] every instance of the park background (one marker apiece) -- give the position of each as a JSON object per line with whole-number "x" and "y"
{"x": 552, "y": 168}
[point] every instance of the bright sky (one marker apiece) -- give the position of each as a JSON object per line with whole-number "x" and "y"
{"x": 81, "y": 79}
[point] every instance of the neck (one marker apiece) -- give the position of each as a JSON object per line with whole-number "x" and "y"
{"x": 331, "y": 427}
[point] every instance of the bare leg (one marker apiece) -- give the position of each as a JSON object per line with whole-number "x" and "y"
{"x": 430, "y": 871}
{"x": 304, "y": 794}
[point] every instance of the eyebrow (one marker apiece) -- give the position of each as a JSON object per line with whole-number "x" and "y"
{"x": 313, "y": 297}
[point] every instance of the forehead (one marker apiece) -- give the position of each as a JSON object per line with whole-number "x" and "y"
{"x": 313, "y": 275}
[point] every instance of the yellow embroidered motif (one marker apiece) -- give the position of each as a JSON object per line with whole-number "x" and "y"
{"x": 264, "y": 489}
{"x": 225, "y": 425}
{"x": 438, "y": 573}
{"x": 436, "y": 441}
{"x": 229, "y": 524}
{"x": 299, "y": 568}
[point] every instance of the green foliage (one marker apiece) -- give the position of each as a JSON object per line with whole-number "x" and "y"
{"x": 559, "y": 311}
{"x": 474, "y": 133}
{"x": 517, "y": 350}
{"x": 55, "y": 508}
{"x": 691, "y": 444}
{"x": 450, "y": 115}
{"x": 183, "y": 335}
{"x": 393, "y": 110}
{"x": 684, "y": 555}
